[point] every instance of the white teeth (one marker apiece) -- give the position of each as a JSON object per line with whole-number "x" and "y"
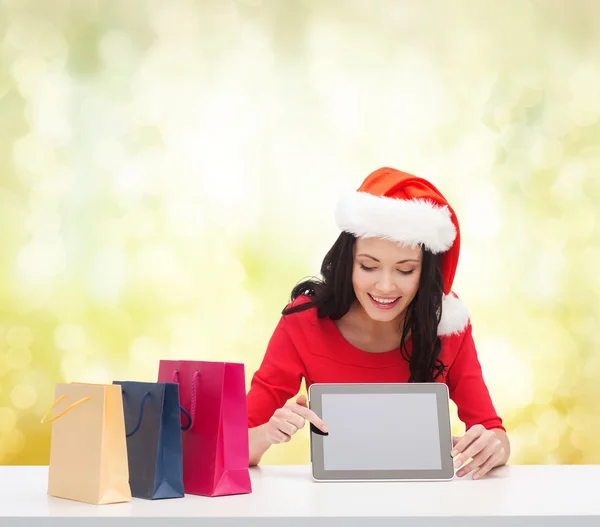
{"x": 384, "y": 300}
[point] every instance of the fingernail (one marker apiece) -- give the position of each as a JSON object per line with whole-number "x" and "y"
{"x": 460, "y": 474}
{"x": 457, "y": 462}
{"x": 325, "y": 429}
{"x": 453, "y": 453}
{"x": 476, "y": 476}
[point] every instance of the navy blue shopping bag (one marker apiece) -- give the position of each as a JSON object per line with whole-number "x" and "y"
{"x": 154, "y": 448}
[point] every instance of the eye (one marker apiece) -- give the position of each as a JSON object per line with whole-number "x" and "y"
{"x": 407, "y": 272}
{"x": 365, "y": 268}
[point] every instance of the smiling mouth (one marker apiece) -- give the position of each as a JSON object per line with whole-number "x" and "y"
{"x": 384, "y": 303}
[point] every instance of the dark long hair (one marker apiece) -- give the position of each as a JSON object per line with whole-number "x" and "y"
{"x": 333, "y": 294}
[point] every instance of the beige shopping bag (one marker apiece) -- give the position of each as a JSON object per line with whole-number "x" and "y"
{"x": 88, "y": 449}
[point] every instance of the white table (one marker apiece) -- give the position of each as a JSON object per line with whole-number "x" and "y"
{"x": 530, "y": 495}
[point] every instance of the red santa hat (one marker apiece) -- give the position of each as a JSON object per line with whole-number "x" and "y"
{"x": 397, "y": 206}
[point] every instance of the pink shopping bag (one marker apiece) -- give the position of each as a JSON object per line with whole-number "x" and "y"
{"x": 215, "y": 439}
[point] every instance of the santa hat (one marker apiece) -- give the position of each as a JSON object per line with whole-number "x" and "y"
{"x": 397, "y": 206}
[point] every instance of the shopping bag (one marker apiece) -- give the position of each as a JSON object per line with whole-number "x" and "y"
{"x": 215, "y": 445}
{"x": 88, "y": 451}
{"x": 154, "y": 450}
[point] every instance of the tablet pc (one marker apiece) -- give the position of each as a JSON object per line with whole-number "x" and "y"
{"x": 393, "y": 432}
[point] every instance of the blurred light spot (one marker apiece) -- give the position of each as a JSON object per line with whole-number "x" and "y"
{"x": 583, "y": 221}
{"x": 556, "y": 122}
{"x": 585, "y": 104}
{"x": 518, "y": 137}
{"x": 549, "y": 420}
{"x": 499, "y": 355}
{"x": 112, "y": 234}
{"x": 246, "y": 307}
{"x": 591, "y": 369}
{"x": 23, "y": 396}
{"x": 141, "y": 223}
{"x": 116, "y": 50}
{"x": 4, "y": 367}
{"x": 72, "y": 366}
{"x": 36, "y": 36}
{"x": 584, "y": 326}
{"x": 35, "y": 155}
{"x": 547, "y": 153}
{"x": 13, "y": 213}
{"x": 143, "y": 346}
{"x": 108, "y": 275}
{"x": 235, "y": 272}
{"x": 186, "y": 341}
{"x": 145, "y": 352}
{"x": 157, "y": 262}
{"x": 47, "y": 111}
{"x": 28, "y": 71}
{"x": 12, "y": 442}
{"x": 129, "y": 181}
{"x": 481, "y": 212}
{"x": 172, "y": 21}
{"x": 41, "y": 259}
{"x": 108, "y": 153}
{"x": 569, "y": 180}
{"x": 545, "y": 270}
{"x": 545, "y": 393}
{"x": 8, "y": 419}
{"x": 501, "y": 114}
{"x": 81, "y": 371}
{"x": 19, "y": 336}
{"x": 22, "y": 33}
{"x": 53, "y": 189}
{"x": 43, "y": 223}
{"x": 18, "y": 358}
{"x": 524, "y": 436}
{"x": 185, "y": 217}
{"x": 70, "y": 337}
{"x": 579, "y": 418}
{"x": 583, "y": 439}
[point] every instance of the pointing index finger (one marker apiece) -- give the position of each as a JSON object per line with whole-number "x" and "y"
{"x": 313, "y": 418}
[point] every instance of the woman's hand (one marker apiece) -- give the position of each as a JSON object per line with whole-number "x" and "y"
{"x": 286, "y": 421}
{"x": 483, "y": 446}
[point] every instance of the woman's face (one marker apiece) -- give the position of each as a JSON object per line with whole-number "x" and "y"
{"x": 385, "y": 276}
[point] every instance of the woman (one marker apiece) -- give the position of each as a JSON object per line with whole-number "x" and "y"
{"x": 383, "y": 311}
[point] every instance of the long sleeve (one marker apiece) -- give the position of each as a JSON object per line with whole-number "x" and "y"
{"x": 468, "y": 389}
{"x": 278, "y": 378}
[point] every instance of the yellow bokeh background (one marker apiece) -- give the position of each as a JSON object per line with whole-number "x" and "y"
{"x": 168, "y": 172}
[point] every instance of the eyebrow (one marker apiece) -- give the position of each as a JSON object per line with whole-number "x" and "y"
{"x": 401, "y": 261}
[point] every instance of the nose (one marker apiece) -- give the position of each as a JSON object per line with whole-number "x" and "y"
{"x": 385, "y": 284}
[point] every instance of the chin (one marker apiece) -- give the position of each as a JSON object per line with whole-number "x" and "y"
{"x": 381, "y": 315}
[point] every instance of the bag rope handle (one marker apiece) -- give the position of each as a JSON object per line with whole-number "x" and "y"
{"x": 192, "y": 414}
{"x": 67, "y": 409}
{"x": 141, "y": 415}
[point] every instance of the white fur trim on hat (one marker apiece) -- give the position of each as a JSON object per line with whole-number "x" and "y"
{"x": 455, "y": 316}
{"x": 411, "y": 222}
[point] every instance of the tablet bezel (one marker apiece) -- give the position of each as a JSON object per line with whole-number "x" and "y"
{"x": 446, "y": 473}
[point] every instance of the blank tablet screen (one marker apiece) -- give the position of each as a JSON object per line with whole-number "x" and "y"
{"x": 383, "y": 431}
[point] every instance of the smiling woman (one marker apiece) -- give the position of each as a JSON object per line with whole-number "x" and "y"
{"x": 383, "y": 311}
{"x": 388, "y": 284}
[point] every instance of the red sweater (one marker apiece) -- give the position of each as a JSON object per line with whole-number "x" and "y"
{"x": 304, "y": 346}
